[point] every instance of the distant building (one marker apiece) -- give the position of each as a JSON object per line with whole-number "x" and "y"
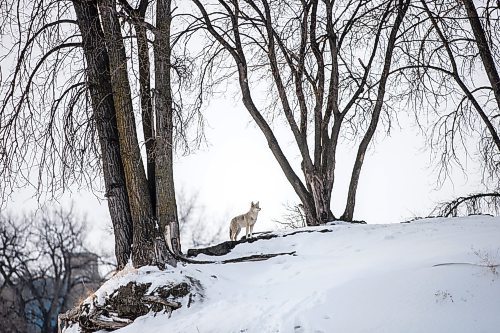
{"x": 85, "y": 276}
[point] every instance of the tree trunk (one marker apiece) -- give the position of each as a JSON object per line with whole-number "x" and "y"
{"x": 484, "y": 49}
{"x": 166, "y": 210}
{"x": 363, "y": 146}
{"x": 319, "y": 190}
{"x": 145, "y": 251}
{"x": 146, "y": 106}
{"x": 330, "y": 155}
{"x": 98, "y": 81}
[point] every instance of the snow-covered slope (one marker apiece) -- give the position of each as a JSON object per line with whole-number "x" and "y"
{"x": 432, "y": 275}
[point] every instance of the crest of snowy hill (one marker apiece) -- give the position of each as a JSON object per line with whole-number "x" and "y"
{"x": 432, "y": 275}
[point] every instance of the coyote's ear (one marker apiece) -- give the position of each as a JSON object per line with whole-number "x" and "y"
{"x": 257, "y": 203}
{"x": 252, "y": 204}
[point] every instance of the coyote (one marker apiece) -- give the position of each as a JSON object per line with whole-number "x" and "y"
{"x": 246, "y": 220}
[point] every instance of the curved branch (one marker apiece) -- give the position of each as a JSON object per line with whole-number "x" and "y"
{"x": 31, "y": 77}
{"x": 22, "y": 55}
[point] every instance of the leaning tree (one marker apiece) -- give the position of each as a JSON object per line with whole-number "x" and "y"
{"x": 68, "y": 111}
{"x": 326, "y": 65}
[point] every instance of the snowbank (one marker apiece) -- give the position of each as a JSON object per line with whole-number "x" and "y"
{"x": 432, "y": 275}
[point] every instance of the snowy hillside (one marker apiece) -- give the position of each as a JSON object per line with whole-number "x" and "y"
{"x": 432, "y": 275}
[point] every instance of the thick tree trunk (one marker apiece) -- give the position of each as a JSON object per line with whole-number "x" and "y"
{"x": 99, "y": 85}
{"x": 166, "y": 210}
{"x": 318, "y": 186}
{"x": 146, "y": 233}
{"x": 363, "y": 146}
{"x": 330, "y": 156}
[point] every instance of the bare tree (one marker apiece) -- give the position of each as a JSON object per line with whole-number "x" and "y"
{"x": 451, "y": 70}
{"x": 327, "y": 64}
{"x": 73, "y": 85}
{"x": 44, "y": 266}
{"x": 478, "y": 203}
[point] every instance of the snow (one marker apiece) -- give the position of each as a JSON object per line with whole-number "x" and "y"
{"x": 355, "y": 278}
{"x": 143, "y": 275}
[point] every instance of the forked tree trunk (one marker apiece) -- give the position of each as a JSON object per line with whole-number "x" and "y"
{"x": 166, "y": 210}
{"x": 145, "y": 250}
{"x": 99, "y": 85}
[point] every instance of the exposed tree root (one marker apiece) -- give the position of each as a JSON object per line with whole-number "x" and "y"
{"x": 127, "y": 303}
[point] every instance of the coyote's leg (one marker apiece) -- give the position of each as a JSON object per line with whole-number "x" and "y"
{"x": 251, "y": 230}
{"x": 234, "y": 230}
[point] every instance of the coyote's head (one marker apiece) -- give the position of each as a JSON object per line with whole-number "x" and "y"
{"x": 255, "y": 207}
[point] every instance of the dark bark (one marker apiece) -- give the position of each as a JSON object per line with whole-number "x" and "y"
{"x": 356, "y": 171}
{"x": 146, "y": 234}
{"x": 166, "y": 209}
{"x": 319, "y": 91}
{"x": 99, "y": 85}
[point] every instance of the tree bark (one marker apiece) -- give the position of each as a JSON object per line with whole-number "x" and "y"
{"x": 166, "y": 210}
{"x": 318, "y": 186}
{"x": 145, "y": 251}
{"x": 146, "y": 105}
{"x": 99, "y": 85}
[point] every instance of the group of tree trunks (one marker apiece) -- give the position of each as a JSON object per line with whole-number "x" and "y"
{"x": 143, "y": 210}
